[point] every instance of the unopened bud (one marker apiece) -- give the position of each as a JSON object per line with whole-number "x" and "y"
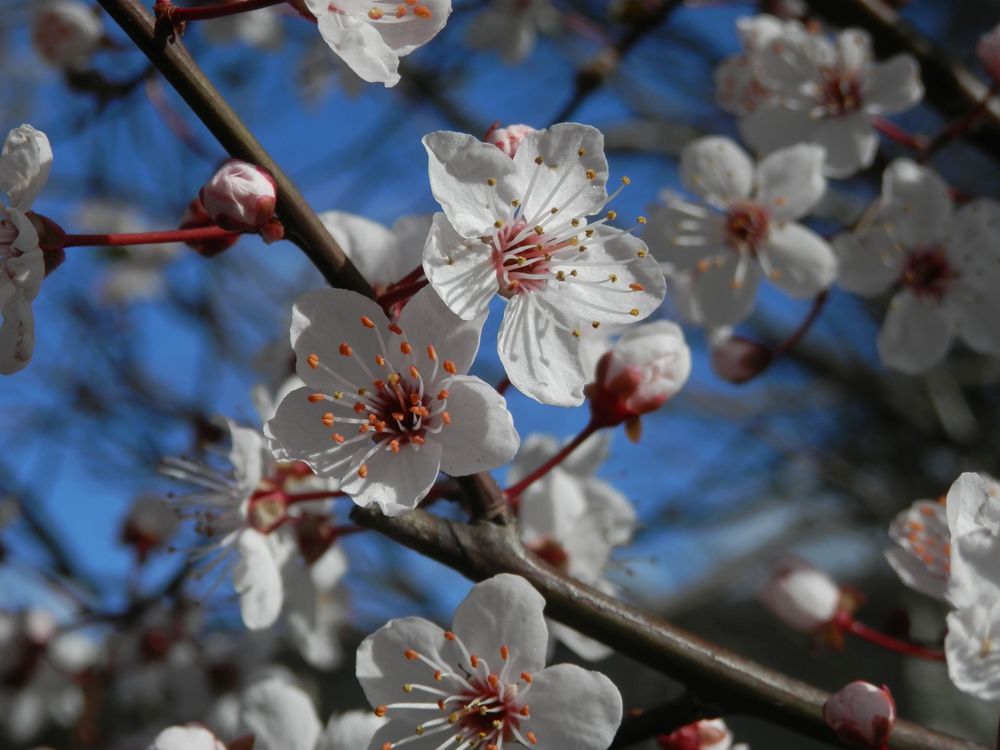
{"x": 800, "y": 595}
{"x": 66, "y": 33}
{"x": 738, "y": 360}
{"x": 195, "y": 217}
{"x": 647, "y": 366}
{"x": 708, "y": 734}
{"x": 988, "y": 52}
{"x": 51, "y": 239}
{"x": 240, "y": 197}
{"x": 861, "y": 714}
{"x": 508, "y": 138}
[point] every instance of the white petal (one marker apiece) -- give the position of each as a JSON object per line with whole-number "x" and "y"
{"x": 427, "y": 321}
{"x": 794, "y": 61}
{"x": 396, "y": 730}
{"x": 481, "y": 435}
{"x": 716, "y": 169}
{"x": 534, "y": 451}
{"x": 716, "y": 301}
{"x": 246, "y": 456}
{"x": 459, "y": 167}
{"x": 610, "y": 513}
{"x": 771, "y": 127}
{"x": 976, "y": 311}
{"x": 187, "y": 737}
{"x": 975, "y": 569}
{"x": 584, "y": 647}
{"x": 916, "y": 209}
{"x": 560, "y": 695}
{"x": 868, "y": 263}
{"x": 370, "y": 246}
{"x": 913, "y": 573}
{"x": 460, "y": 270}
{"x": 540, "y": 357}
{"x": 850, "y": 142}
{"x": 24, "y": 165}
{"x": 351, "y": 730}
{"x": 257, "y": 580}
{"x": 790, "y": 181}
{"x": 279, "y": 715}
{"x": 801, "y": 263}
{"x": 590, "y": 454}
{"x": 973, "y": 503}
{"x": 737, "y": 89}
{"x": 551, "y": 508}
{"x": 915, "y": 334}
{"x": 855, "y": 49}
{"x": 407, "y": 33}
{"x": 683, "y": 234}
{"x": 973, "y": 660}
{"x": 411, "y": 236}
{"x": 504, "y": 610}
{"x": 893, "y": 85}
{"x": 17, "y": 334}
{"x": 359, "y": 45}
{"x": 396, "y": 482}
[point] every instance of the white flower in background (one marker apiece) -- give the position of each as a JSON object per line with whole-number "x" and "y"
{"x": 518, "y": 228}
{"x": 484, "y": 681}
{"x": 383, "y": 256}
{"x": 371, "y": 35}
{"x": 922, "y": 555}
{"x": 260, "y": 29}
{"x": 744, "y": 228}
{"x": 511, "y": 27}
{"x": 507, "y": 138}
{"x": 974, "y": 503}
{"x": 971, "y": 649}
{"x": 943, "y": 266}
{"x": 24, "y": 169}
{"x": 988, "y": 52}
{"x": 66, "y": 33}
{"x": 814, "y": 90}
{"x": 738, "y": 89}
{"x": 279, "y": 715}
{"x": 861, "y": 714}
{"x": 572, "y": 520}
{"x": 187, "y": 737}
{"x": 351, "y": 730}
{"x": 315, "y": 608}
{"x": 150, "y": 522}
{"x": 801, "y": 595}
{"x": 388, "y": 404}
{"x": 707, "y": 734}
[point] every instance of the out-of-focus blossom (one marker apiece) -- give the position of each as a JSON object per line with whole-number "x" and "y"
{"x": 260, "y": 29}
{"x": 988, "y": 52}
{"x": 801, "y": 595}
{"x": 66, "y": 33}
{"x": 737, "y": 359}
{"x": 371, "y": 36}
{"x": 383, "y": 256}
{"x": 861, "y": 714}
{"x": 351, "y": 730}
{"x": 187, "y": 737}
{"x": 279, "y": 715}
{"x": 511, "y": 27}
{"x": 921, "y": 556}
{"x": 500, "y": 623}
{"x": 149, "y": 524}
{"x": 707, "y": 734}
{"x": 743, "y": 229}
{"x": 240, "y": 196}
{"x": 942, "y": 265}
{"x": 519, "y": 228}
{"x": 507, "y": 138}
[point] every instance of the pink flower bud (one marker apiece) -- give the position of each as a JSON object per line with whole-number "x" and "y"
{"x": 708, "y": 734}
{"x": 240, "y": 197}
{"x": 861, "y": 714}
{"x": 507, "y": 139}
{"x": 195, "y": 217}
{"x": 738, "y": 360}
{"x": 800, "y": 595}
{"x": 988, "y": 52}
{"x": 648, "y": 365}
{"x": 66, "y": 33}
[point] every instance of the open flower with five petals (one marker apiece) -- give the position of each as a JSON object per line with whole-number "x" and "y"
{"x": 519, "y": 228}
{"x": 387, "y": 404}
{"x": 743, "y": 229}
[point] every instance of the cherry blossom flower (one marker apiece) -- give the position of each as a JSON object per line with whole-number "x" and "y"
{"x": 371, "y": 35}
{"x": 24, "y": 169}
{"x": 187, "y": 737}
{"x": 508, "y": 138}
{"x": 279, "y": 715}
{"x": 149, "y": 524}
{"x": 974, "y": 503}
{"x": 861, "y": 714}
{"x": 388, "y": 404}
{"x": 518, "y": 228}
{"x": 240, "y": 196}
{"x": 383, "y": 256}
{"x": 511, "y": 27}
{"x": 922, "y": 555}
{"x": 971, "y": 649}
{"x": 454, "y": 697}
{"x": 942, "y": 265}
{"x": 572, "y": 520}
{"x": 819, "y": 91}
{"x": 707, "y": 734}
{"x": 66, "y": 33}
{"x": 801, "y": 595}
{"x": 738, "y": 88}
{"x": 744, "y": 228}
{"x": 351, "y": 730}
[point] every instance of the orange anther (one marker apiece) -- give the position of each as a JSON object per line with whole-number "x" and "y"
{"x": 414, "y": 398}
{"x": 328, "y": 419}
{"x": 474, "y": 661}
{"x": 405, "y": 347}
{"x": 442, "y": 396}
{"x": 531, "y": 738}
{"x": 379, "y": 360}
{"x": 345, "y": 349}
{"x": 432, "y": 353}
{"x": 449, "y": 636}
{"x": 363, "y": 471}
{"x": 313, "y": 361}
{"x": 400, "y": 11}
{"x": 415, "y": 410}
{"x": 418, "y": 440}
{"x": 504, "y": 653}
{"x": 315, "y": 398}
{"x": 381, "y": 711}
{"x": 525, "y": 711}
{"x": 398, "y": 416}
{"x": 337, "y": 438}
{"x": 359, "y": 408}
{"x": 637, "y": 287}
{"x": 396, "y": 329}
{"x": 375, "y": 14}
{"x": 394, "y": 446}
{"x": 422, "y": 11}
{"x": 365, "y": 320}
{"x": 379, "y": 384}
{"x": 364, "y": 428}
{"x": 526, "y": 677}
{"x": 410, "y": 654}
{"x": 449, "y": 367}
{"x": 441, "y": 703}
{"x": 446, "y": 418}
{"x": 493, "y": 680}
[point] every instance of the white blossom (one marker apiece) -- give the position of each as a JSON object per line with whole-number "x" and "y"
{"x": 493, "y": 656}
{"x": 511, "y": 27}
{"x": 351, "y": 730}
{"x": 187, "y": 737}
{"x": 383, "y": 256}
{"x": 861, "y": 714}
{"x": 743, "y": 229}
{"x": 66, "y": 33}
{"x": 518, "y": 228}
{"x": 942, "y": 266}
{"x": 800, "y": 595}
{"x": 921, "y": 556}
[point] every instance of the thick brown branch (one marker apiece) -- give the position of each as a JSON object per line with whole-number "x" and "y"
{"x": 712, "y": 674}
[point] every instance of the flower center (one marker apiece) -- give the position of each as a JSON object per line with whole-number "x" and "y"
{"x": 520, "y": 259}
{"x": 928, "y": 273}
{"x": 267, "y": 508}
{"x": 840, "y": 92}
{"x": 747, "y": 226}
{"x": 481, "y": 708}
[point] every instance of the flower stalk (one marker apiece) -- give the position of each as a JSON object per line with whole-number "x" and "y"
{"x": 165, "y": 9}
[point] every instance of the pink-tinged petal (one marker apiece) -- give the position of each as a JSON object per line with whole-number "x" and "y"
{"x": 560, "y": 695}
{"x": 539, "y": 355}
{"x": 460, "y": 168}
{"x": 973, "y": 503}
{"x": 716, "y": 169}
{"x": 25, "y": 163}
{"x": 892, "y": 86}
{"x": 567, "y": 150}
{"x": 915, "y": 335}
{"x": 17, "y": 334}
{"x": 394, "y": 481}
{"x": 790, "y": 181}
{"x": 370, "y": 246}
{"x": 771, "y": 127}
{"x": 916, "y": 208}
{"x": 460, "y": 270}
{"x": 868, "y": 263}
{"x": 481, "y": 435}
{"x": 682, "y": 234}
{"x": 800, "y": 262}
{"x": 186, "y": 737}
{"x": 257, "y": 581}
{"x": 279, "y": 715}
{"x": 383, "y": 666}
{"x": 427, "y": 321}
{"x": 973, "y": 659}
{"x": 737, "y": 89}
{"x": 716, "y": 298}
{"x": 504, "y": 610}
{"x": 850, "y": 143}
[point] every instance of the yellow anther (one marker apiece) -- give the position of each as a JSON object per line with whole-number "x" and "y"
{"x": 634, "y": 312}
{"x": 491, "y": 181}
